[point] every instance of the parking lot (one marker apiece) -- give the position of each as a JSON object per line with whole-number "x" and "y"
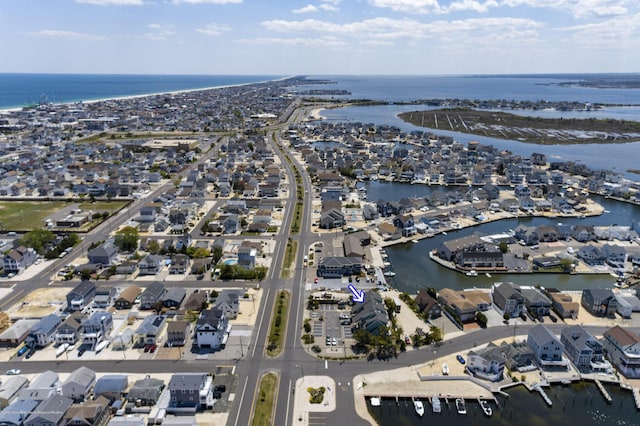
{"x": 332, "y": 330}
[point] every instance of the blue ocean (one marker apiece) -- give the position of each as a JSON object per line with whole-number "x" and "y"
{"x": 19, "y": 90}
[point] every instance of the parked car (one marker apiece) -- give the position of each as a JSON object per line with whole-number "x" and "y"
{"x": 23, "y": 350}
{"x": 13, "y": 372}
{"x": 220, "y": 388}
{"x": 152, "y": 348}
{"x": 460, "y": 359}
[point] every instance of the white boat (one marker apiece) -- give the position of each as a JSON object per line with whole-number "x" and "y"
{"x": 375, "y": 401}
{"x": 436, "y": 406}
{"x": 445, "y": 369}
{"x": 389, "y": 274}
{"x": 63, "y": 347}
{"x": 472, "y": 273}
{"x": 419, "y": 406}
{"x": 102, "y": 345}
{"x": 486, "y": 409}
{"x": 415, "y": 241}
{"x": 460, "y": 406}
{"x": 444, "y": 233}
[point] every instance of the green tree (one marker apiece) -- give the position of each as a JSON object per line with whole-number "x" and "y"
{"x": 566, "y": 264}
{"x": 217, "y": 254}
{"x": 153, "y": 246}
{"x": 504, "y": 247}
{"x": 127, "y": 238}
{"x": 481, "y": 319}
{"x": 85, "y": 274}
{"x": 435, "y": 334}
{"x": 37, "y": 239}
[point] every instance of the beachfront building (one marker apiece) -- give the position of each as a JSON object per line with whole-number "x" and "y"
{"x": 546, "y": 347}
{"x": 518, "y": 356}
{"x": 536, "y": 302}
{"x": 427, "y": 304}
{"x": 622, "y": 347}
{"x": 584, "y": 350}
{"x": 486, "y": 363}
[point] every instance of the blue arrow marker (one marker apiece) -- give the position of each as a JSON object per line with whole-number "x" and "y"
{"x": 358, "y": 295}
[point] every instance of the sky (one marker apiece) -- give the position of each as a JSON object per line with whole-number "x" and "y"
{"x": 320, "y": 37}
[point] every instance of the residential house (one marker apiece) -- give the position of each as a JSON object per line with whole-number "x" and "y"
{"x": 10, "y": 388}
{"x": 42, "y": 387}
{"x": 69, "y": 330}
{"x": 247, "y": 257}
{"x": 16, "y": 413}
{"x": 151, "y": 264}
{"x": 455, "y": 303}
{"x": 486, "y": 363}
{"x": 337, "y": 266}
{"x": 406, "y": 224}
{"x": 508, "y": 299}
{"x": 600, "y": 302}
{"x": 195, "y": 302}
{"x": 122, "y": 341}
{"x": 148, "y": 333}
{"x": 584, "y": 350}
{"x": 127, "y": 297}
{"x": 146, "y": 392}
{"x": 96, "y": 328}
{"x": 79, "y": 383}
{"x": 173, "y": 297}
{"x": 179, "y": 264}
{"x": 622, "y": 347}
{"x": 178, "y": 333}
{"x": 591, "y": 255}
{"x": 104, "y": 254}
{"x": 615, "y": 256}
{"x": 536, "y": 302}
{"x": 518, "y": 356}
{"x": 332, "y": 218}
{"x": 17, "y": 333}
{"x": 583, "y": 233}
{"x": 370, "y": 315}
{"x": 228, "y": 301}
{"x": 427, "y": 304}
{"x": 210, "y": 329}
{"x": 81, "y": 295}
{"x": 105, "y": 296}
{"x": 111, "y": 386}
{"x": 44, "y": 332}
{"x": 563, "y": 304}
{"x": 546, "y": 347}
{"x": 190, "y": 392}
{"x": 152, "y": 296}
{"x": 18, "y": 259}
{"x": 91, "y": 412}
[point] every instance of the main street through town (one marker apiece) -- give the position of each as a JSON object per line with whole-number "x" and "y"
{"x": 294, "y": 362}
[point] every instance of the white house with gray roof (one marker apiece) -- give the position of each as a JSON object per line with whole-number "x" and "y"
{"x": 78, "y": 384}
{"x": 486, "y": 363}
{"x": 547, "y": 348}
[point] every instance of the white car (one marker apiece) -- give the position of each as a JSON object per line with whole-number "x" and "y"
{"x": 13, "y": 372}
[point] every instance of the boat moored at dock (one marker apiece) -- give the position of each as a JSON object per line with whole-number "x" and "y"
{"x": 461, "y": 407}
{"x": 419, "y": 407}
{"x": 486, "y": 408}
{"x": 436, "y": 405}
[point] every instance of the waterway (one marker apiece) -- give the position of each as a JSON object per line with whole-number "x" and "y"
{"x": 578, "y": 404}
{"x": 414, "y": 270}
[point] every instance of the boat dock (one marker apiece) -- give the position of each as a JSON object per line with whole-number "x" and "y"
{"x": 544, "y": 395}
{"x": 604, "y": 392}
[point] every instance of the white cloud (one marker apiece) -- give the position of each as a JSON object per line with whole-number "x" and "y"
{"x": 298, "y": 41}
{"x": 71, "y": 35}
{"x": 474, "y": 5}
{"x": 409, "y": 6}
{"x": 213, "y": 29}
{"x": 208, "y": 1}
{"x": 113, "y": 2}
{"x": 581, "y": 8}
{"x": 159, "y": 32}
{"x": 611, "y": 34}
{"x": 306, "y": 9}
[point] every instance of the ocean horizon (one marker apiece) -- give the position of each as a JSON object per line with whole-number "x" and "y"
{"x": 18, "y": 90}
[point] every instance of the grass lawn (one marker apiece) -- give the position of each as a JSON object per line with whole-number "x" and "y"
{"x": 28, "y": 215}
{"x": 263, "y": 411}
{"x": 289, "y": 257}
{"x": 278, "y": 324}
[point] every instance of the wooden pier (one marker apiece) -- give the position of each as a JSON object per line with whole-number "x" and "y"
{"x": 636, "y": 396}
{"x": 546, "y": 398}
{"x": 604, "y": 392}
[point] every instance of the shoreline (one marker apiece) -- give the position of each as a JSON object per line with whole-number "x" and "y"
{"x": 129, "y": 97}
